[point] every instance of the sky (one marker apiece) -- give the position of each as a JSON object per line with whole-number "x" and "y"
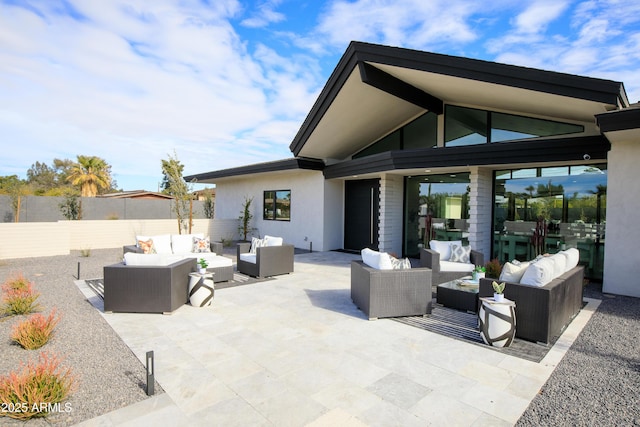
{"x": 226, "y": 83}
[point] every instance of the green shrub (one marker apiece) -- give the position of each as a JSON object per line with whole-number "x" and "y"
{"x": 35, "y": 331}
{"x": 494, "y": 268}
{"x": 36, "y": 389}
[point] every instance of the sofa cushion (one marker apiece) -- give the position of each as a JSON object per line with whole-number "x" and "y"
{"x": 183, "y": 243}
{"x": 200, "y": 245}
{"x": 449, "y": 266}
{"x": 539, "y": 273}
{"x": 161, "y": 242}
{"x": 273, "y": 241}
{"x": 137, "y": 259}
{"x": 513, "y": 272}
{"x": 212, "y": 259}
{"x": 377, "y": 260}
{"x": 559, "y": 264}
{"x": 573, "y": 257}
{"x": 460, "y": 253}
{"x": 443, "y": 247}
{"x": 146, "y": 246}
{"x": 248, "y": 257}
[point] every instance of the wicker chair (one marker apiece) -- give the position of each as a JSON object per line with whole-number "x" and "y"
{"x": 431, "y": 259}
{"x": 147, "y": 289}
{"x": 270, "y": 260}
{"x": 391, "y": 293}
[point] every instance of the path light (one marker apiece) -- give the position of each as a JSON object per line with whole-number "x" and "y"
{"x": 150, "y": 376}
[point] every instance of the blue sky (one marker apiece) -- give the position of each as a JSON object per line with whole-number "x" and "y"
{"x": 224, "y": 83}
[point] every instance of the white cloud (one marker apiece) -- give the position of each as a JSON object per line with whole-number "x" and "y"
{"x": 264, "y": 15}
{"x": 538, "y": 15}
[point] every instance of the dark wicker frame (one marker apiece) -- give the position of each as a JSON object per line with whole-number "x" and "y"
{"x": 431, "y": 259}
{"x": 147, "y": 289}
{"x": 542, "y": 313}
{"x": 391, "y": 293}
{"x": 270, "y": 260}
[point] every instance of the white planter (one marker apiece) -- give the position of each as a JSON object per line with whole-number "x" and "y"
{"x": 201, "y": 290}
{"x": 202, "y": 270}
{"x": 498, "y": 297}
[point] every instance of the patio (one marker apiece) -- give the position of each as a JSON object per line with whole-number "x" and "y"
{"x": 296, "y": 351}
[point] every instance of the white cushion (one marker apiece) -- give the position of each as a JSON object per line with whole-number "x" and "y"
{"x": 183, "y": 243}
{"x": 456, "y": 266}
{"x": 132, "y": 258}
{"x": 538, "y": 273}
{"x": 559, "y": 264}
{"x": 248, "y": 257}
{"x": 573, "y": 257}
{"x": 400, "y": 264}
{"x": 460, "y": 253}
{"x": 443, "y": 248}
{"x": 255, "y": 244}
{"x": 212, "y": 259}
{"x": 273, "y": 241}
{"x": 377, "y": 260}
{"x": 161, "y": 242}
{"x": 513, "y": 272}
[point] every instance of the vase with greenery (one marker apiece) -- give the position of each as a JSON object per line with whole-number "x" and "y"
{"x": 203, "y": 265}
{"x": 479, "y": 272}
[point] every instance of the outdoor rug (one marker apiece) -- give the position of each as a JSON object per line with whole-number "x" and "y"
{"x": 464, "y": 326}
{"x": 97, "y": 285}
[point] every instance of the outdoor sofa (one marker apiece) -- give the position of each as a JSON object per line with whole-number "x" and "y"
{"x": 389, "y": 292}
{"x": 147, "y": 288}
{"x": 265, "y": 257}
{"x": 543, "y": 312}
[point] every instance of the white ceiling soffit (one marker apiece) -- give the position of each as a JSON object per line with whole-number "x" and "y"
{"x": 361, "y": 114}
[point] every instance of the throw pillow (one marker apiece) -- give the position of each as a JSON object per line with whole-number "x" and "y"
{"x": 513, "y": 271}
{"x": 400, "y": 264}
{"x": 255, "y": 244}
{"x": 147, "y": 246}
{"x": 443, "y": 247}
{"x": 460, "y": 253}
{"x": 201, "y": 245}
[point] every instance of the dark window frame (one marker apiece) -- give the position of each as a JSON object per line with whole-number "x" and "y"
{"x": 270, "y": 209}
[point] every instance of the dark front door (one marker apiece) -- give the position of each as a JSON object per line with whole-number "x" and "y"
{"x": 361, "y": 212}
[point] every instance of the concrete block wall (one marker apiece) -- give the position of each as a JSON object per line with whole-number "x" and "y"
{"x": 480, "y": 208}
{"x": 390, "y": 221}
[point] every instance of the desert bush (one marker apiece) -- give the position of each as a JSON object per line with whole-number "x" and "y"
{"x": 494, "y": 268}
{"x": 19, "y": 297}
{"x": 36, "y": 389}
{"x": 35, "y": 331}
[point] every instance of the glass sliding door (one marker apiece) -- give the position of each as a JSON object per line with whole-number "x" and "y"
{"x": 571, "y": 200}
{"x": 436, "y": 207}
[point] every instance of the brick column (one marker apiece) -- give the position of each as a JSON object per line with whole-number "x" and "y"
{"x": 390, "y": 223}
{"x": 480, "y": 208}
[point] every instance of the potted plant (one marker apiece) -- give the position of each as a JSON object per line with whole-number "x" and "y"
{"x": 498, "y": 289}
{"x": 479, "y": 272}
{"x": 493, "y": 268}
{"x": 203, "y": 265}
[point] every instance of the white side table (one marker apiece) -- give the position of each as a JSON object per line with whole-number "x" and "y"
{"x": 201, "y": 289}
{"x": 497, "y": 322}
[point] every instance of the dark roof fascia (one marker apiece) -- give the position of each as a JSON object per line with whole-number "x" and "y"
{"x": 275, "y": 166}
{"x": 574, "y": 86}
{"x": 619, "y": 120}
{"x": 530, "y": 152}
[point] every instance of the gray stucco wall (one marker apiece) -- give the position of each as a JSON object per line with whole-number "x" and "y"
{"x": 47, "y": 209}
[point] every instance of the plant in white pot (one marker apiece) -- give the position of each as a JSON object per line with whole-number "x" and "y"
{"x": 498, "y": 289}
{"x": 203, "y": 266}
{"x": 479, "y": 272}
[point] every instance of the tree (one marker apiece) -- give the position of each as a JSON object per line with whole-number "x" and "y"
{"x": 208, "y": 205}
{"x": 245, "y": 218}
{"x": 179, "y": 189}
{"x": 42, "y": 178}
{"x": 15, "y": 188}
{"x": 71, "y": 206}
{"x": 91, "y": 173}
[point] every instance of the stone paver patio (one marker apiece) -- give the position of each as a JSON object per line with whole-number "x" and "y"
{"x": 295, "y": 351}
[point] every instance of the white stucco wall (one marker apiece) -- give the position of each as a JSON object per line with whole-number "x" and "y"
{"x": 333, "y": 215}
{"x": 622, "y": 233}
{"x": 308, "y": 190}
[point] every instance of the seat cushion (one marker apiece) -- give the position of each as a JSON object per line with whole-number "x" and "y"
{"x": 449, "y": 266}
{"x": 248, "y": 257}
{"x": 212, "y": 259}
{"x": 136, "y": 259}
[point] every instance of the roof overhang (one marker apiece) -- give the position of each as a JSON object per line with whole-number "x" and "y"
{"x": 621, "y": 125}
{"x": 278, "y": 166}
{"x": 375, "y": 89}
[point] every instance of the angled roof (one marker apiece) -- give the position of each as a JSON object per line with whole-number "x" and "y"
{"x": 275, "y": 166}
{"x": 375, "y": 88}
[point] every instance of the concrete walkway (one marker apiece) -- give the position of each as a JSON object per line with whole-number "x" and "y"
{"x": 295, "y": 351}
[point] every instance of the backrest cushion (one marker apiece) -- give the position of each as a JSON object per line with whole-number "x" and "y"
{"x": 273, "y": 241}
{"x": 377, "y": 260}
{"x": 560, "y": 264}
{"x": 539, "y": 273}
{"x": 573, "y": 257}
{"x": 161, "y": 242}
{"x": 183, "y": 243}
{"x": 443, "y": 247}
{"x": 512, "y": 272}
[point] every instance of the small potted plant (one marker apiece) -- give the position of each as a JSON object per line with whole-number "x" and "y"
{"x": 498, "y": 289}
{"x": 479, "y": 272}
{"x": 203, "y": 265}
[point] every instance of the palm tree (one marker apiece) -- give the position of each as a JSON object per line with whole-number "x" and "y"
{"x": 90, "y": 173}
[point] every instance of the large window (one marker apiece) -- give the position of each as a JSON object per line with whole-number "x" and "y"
{"x": 277, "y": 205}
{"x": 436, "y": 206}
{"x": 570, "y": 199}
{"x": 468, "y": 126}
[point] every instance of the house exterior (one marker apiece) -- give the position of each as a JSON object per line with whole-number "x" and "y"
{"x": 404, "y": 146}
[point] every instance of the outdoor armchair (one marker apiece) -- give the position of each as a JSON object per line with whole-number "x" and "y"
{"x": 391, "y": 293}
{"x": 431, "y": 259}
{"x": 269, "y": 260}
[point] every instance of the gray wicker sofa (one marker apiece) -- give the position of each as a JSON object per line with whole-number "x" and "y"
{"x": 542, "y": 313}
{"x": 391, "y": 293}
{"x": 147, "y": 289}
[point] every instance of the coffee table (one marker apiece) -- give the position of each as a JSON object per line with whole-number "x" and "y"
{"x": 461, "y": 294}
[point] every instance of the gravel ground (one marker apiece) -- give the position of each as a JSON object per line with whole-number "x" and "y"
{"x": 597, "y": 382}
{"x": 109, "y": 376}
